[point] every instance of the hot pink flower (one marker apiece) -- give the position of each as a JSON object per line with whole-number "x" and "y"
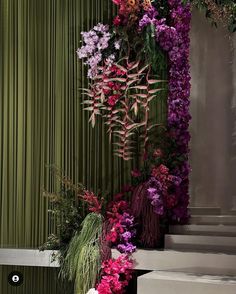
{"x": 117, "y": 21}
{"x": 120, "y": 72}
{"x": 110, "y": 84}
{"x": 112, "y": 100}
{"x": 160, "y": 171}
{"x": 117, "y": 2}
{"x": 135, "y": 173}
{"x": 106, "y": 91}
{"x": 112, "y": 236}
{"x": 116, "y": 274}
{"x": 163, "y": 169}
{"x": 93, "y": 202}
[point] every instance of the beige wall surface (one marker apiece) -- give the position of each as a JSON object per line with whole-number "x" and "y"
{"x": 213, "y": 109}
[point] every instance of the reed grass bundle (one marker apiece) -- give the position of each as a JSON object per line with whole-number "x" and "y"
{"x": 83, "y": 260}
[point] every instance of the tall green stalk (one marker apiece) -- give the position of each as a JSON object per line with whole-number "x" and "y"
{"x": 82, "y": 262}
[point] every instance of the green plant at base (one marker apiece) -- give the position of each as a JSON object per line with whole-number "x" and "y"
{"x": 82, "y": 261}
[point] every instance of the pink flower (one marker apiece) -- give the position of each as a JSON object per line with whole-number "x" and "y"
{"x": 92, "y": 200}
{"x": 120, "y": 72}
{"x": 155, "y": 172}
{"x": 117, "y": 21}
{"x": 135, "y": 173}
{"x": 110, "y": 84}
{"x": 116, "y": 274}
{"x": 106, "y": 91}
{"x": 112, "y": 100}
{"x": 117, "y": 2}
{"x": 112, "y": 236}
{"x": 163, "y": 169}
{"x": 160, "y": 171}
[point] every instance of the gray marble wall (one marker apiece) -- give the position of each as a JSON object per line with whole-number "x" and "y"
{"x": 213, "y": 109}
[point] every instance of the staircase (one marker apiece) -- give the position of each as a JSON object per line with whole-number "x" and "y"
{"x": 199, "y": 258}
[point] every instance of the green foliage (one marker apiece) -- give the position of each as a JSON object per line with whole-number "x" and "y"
{"x": 82, "y": 261}
{"x": 67, "y": 211}
{"x": 153, "y": 53}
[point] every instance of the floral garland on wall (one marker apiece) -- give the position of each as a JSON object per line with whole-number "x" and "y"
{"x": 125, "y": 71}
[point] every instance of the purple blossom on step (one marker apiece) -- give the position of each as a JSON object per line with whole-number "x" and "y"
{"x": 126, "y": 236}
{"x": 126, "y": 248}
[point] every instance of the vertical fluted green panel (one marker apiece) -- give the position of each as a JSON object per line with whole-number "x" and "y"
{"x": 42, "y": 123}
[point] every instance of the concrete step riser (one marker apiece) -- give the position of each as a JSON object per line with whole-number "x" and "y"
{"x": 184, "y": 261}
{"x": 205, "y": 210}
{"x": 206, "y": 230}
{"x": 213, "y": 220}
{"x": 172, "y": 283}
{"x": 196, "y": 242}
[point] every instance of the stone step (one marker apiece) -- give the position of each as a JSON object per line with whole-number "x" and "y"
{"x": 198, "y": 210}
{"x": 178, "y": 283}
{"x": 210, "y": 230}
{"x": 184, "y": 261}
{"x": 28, "y": 257}
{"x": 199, "y": 242}
{"x": 213, "y": 219}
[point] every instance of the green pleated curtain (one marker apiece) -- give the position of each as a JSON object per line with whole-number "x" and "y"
{"x": 42, "y": 123}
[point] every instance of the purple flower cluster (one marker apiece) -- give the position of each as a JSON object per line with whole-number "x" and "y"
{"x": 175, "y": 41}
{"x": 178, "y": 101}
{"x": 95, "y": 41}
{"x": 125, "y": 243}
{"x": 154, "y": 193}
{"x": 150, "y": 18}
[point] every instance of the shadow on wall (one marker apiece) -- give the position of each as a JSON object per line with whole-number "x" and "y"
{"x": 213, "y": 109}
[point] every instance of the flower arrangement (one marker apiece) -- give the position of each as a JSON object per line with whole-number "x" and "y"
{"x": 121, "y": 93}
{"x": 116, "y": 273}
{"x": 96, "y": 41}
{"x": 129, "y": 64}
{"x": 122, "y": 227}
